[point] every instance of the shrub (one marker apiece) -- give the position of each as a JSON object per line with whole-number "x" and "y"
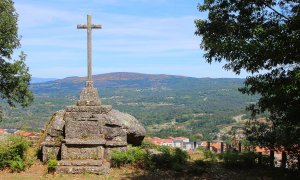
{"x": 230, "y": 159}
{"x": 170, "y": 158}
{"x": 148, "y": 145}
{"x": 180, "y": 156}
{"x": 208, "y": 155}
{"x": 51, "y": 165}
{"x": 241, "y": 160}
{"x": 12, "y": 150}
{"x": 133, "y": 155}
{"x": 17, "y": 165}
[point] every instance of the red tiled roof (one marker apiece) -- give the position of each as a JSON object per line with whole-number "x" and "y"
{"x": 216, "y": 145}
{"x": 2, "y": 131}
{"x": 161, "y": 141}
{"x": 178, "y": 138}
{"x": 24, "y": 133}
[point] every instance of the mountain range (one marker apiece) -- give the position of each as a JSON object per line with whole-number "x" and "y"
{"x": 165, "y": 104}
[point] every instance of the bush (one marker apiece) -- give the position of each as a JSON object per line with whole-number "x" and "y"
{"x": 51, "y": 165}
{"x": 52, "y": 162}
{"x": 170, "y": 158}
{"x": 12, "y": 150}
{"x": 17, "y": 165}
{"x": 208, "y": 155}
{"x": 133, "y": 155}
{"x": 148, "y": 145}
{"x": 241, "y": 160}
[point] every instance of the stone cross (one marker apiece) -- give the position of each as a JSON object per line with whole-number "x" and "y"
{"x": 89, "y": 26}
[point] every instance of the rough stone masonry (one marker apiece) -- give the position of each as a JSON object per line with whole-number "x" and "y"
{"x": 82, "y": 136}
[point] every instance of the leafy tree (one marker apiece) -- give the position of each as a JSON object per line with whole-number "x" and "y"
{"x": 261, "y": 37}
{"x": 14, "y": 76}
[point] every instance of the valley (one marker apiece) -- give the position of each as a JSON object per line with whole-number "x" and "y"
{"x": 166, "y": 105}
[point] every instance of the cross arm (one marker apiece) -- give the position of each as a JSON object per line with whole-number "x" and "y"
{"x": 81, "y": 26}
{"x": 96, "y": 26}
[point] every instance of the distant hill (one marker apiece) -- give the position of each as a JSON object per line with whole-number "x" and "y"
{"x": 132, "y": 80}
{"x": 41, "y": 80}
{"x": 165, "y": 104}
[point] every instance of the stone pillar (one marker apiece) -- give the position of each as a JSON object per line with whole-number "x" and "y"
{"x": 227, "y": 147}
{"x": 260, "y": 158}
{"x": 283, "y": 160}
{"x": 298, "y": 161}
{"x": 272, "y": 158}
{"x": 222, "y": 147}
{"x": 208, "y": 145}
{"x": 240, "y": 147}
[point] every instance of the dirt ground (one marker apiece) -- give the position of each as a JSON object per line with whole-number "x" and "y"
{"x": 39, "y": 171}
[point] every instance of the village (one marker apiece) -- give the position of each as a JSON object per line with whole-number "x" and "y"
{"x": 216, "y": 147}
{"x": 183, "y": 143}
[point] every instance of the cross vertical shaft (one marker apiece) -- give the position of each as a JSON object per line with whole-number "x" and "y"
{"x": 89, "y": 47}
{"x": 89, "y": 26}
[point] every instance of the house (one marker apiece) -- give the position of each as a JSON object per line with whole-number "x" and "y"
{"x": 178, "y": 143}
{"x": 172, "y": 142}
{"x": 216, "y": 147}
{"x": 162, "y": 142}
{"x": 11, "y": 131}
{"x": 197, "y": 144}
{"x": 167, "y": 142}
{"x": 188, "y": 146}
{"x": 184, "y": 139}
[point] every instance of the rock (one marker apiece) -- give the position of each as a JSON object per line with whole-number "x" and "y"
{"x": 56, "y": 128}
{"x": 103, "y": 169}
{"x": 134, "y": 130}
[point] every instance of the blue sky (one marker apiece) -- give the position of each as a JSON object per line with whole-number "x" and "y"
{"x": 146, "y": 36}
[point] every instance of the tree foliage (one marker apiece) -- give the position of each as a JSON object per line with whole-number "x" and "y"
{"x": 14, "y": 75}
{"x": 261, "y": 37}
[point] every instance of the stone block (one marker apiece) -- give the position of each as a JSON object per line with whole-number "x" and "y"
{"x": 85, "y": 142}
{"x": 46, "y": 151}
{"x": 114, "y": 132}
{"x": 72, "y": 152}
{"x": 92, "y": 109}
{"x": 89, "y": 96}
{"x": 104, "y": 169}
{"x": 86, "y": 162}
{"x": 83, "y": 130}
{"x": 57, "y": 126}
{"x": 115, "y": 144}
{"x": 52, "y": 141}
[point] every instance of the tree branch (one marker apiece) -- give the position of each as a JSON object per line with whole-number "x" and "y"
{"x": 280, "y": 14}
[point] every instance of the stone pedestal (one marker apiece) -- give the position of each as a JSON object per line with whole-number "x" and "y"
{"x": 82, "y": 136}
{"x": 89, "y": 95}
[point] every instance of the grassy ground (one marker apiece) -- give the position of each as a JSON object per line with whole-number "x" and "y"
{"x": 214, "y": 171}
{"x": 38, "y": 171}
